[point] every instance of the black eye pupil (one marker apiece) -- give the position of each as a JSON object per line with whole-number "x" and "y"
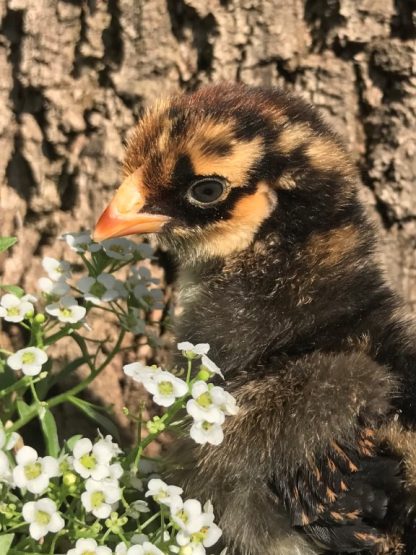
{"x": 207, "y": 190}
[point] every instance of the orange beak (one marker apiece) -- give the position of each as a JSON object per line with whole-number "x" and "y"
{"x": 123, "y": 215}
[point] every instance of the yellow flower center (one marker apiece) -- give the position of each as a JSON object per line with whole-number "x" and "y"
{"x": 33, "y": 471}
{"x": 43, "y": 518}
{"x": 65, "y": 312}
{"x": 97, "y": 499}
{"x": 88, "y": 553}
{"x": 28, "y": 358}
{"x": 199, "y": 537}
{"x": 13, "y": 311}
{"x": 182, "y": 516}
{"x": 206, "y": 426}
{"x": 165, "y": 388}
{"x": 204, "y": 400}
{"x": 89, "y": 461}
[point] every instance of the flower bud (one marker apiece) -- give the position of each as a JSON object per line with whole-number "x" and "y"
{"x": 40, "y": 318}
{"x": 204, "y": 374}
{"x": 155, "y": 426}
{"x": 96, "y": 528}
{"x": 69, "y": 479}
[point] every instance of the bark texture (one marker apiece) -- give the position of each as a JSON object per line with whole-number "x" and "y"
{"x": 75, "y": 74}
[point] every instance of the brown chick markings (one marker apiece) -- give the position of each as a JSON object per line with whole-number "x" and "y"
{"x": 312, "y": 341}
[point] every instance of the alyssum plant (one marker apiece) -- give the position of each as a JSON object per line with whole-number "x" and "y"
{"x": 90, "y": 497}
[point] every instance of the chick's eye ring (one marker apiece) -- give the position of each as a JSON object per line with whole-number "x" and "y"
{"x": 206, "y": 191}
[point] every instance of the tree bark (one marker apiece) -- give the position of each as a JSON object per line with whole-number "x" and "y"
{"x": 75, "y": 75}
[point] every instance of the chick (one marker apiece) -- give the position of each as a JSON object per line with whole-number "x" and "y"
{"x": 257, "y": 199}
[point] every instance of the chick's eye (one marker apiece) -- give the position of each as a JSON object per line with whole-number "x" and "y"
{"x": 206, "y": 191}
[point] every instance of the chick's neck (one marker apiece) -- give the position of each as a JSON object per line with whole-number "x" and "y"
{"x": 285, "y": 295}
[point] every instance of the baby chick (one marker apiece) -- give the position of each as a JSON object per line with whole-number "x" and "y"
{"x": 257, "y": 199}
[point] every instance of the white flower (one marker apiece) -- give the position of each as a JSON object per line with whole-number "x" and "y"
{"x": 43, "y": 517}
{"x": 139, "y": 371}
{"x": 203, "y": 406}
{"x": 140, "y": 278}
{"x": 210, "y": 366}
{"x": 193, "y": 351}
{"x": 146, "y": 548}
{"x": 190, "y": 549}
{"x": 93, "y": 460}
{"x": 115, "y": 471}
{"x": 119, "y": 248}
{"x": 188, "y": 515}
{"x": 29, "y": 360}
{"x": 224, "y": 400}
{"x": 55, "y": 288}
{"x": 57, "y": 270}
{"x": 88, "y": 546}
{"x": 210, "y": 403}
{"x": 162, "y": 493}
{"x": 13, "y": 309}
{"x": 155, "y": 297}
{"x": 140, "y": 539}
{"x": 67, "y": 310}
{"x": 102, "y": 288}
{"x": 165, "y": 388}
{"x": 209, "y": 533}
{"x": 147, "y": 466}
{"x": 138, "y": 507}
{"x": 33, "y": 472}
{"x": 5, "y": 471}
{"x": 101, "y": 497}
{"x": 137, "y": 540}
{"x": 133, "y": 322}
{"x": 81, "y": 242}
{"x": 145, "y": 250}
{"x": 121, "y": 549}
{"x": 106, "y": 442}
{"x": 206, "y": 432}
{"x": 7, "y": 440}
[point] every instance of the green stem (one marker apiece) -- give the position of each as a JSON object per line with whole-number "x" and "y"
{"x": 55, "y": 539}
{"x": 23, "y": 382}
{"x": 34, "y": 393}
{"x": 90, "y": 267}
{"x": 150, "y": 520}
{"x": 64, "y": 332}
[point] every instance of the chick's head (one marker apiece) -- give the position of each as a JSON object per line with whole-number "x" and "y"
{"x": 205, "y": 170}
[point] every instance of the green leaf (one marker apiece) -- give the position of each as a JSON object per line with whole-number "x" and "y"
{"x": 91, "y": 411}
{"x": 50, "y": 432}
{"x": 7, "y": 376}
{"x": 5, "y": 543}
{"x": 6, "y": 243}
{"x": 22, "y": 408}
{"x": 15, "y": 289}
{"x": 72, "y": 441}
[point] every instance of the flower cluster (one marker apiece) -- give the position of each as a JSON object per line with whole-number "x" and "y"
{"x": 90, "y": 473}
{"x": 195, "y": 524}
{"x": 87, "y": 496}
{"x": 209, "y": 404}
{"x": 15, "y": 309}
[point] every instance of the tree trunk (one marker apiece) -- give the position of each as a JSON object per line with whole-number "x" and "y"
{"x": 75, "y": 74}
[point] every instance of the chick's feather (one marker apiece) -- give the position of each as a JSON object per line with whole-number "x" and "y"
{"x": 277, "y": 271}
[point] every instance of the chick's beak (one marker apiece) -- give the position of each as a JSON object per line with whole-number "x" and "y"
{"x": 123, "y": 215}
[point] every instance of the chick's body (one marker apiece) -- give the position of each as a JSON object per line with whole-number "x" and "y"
{"x": 257, "y": 199}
